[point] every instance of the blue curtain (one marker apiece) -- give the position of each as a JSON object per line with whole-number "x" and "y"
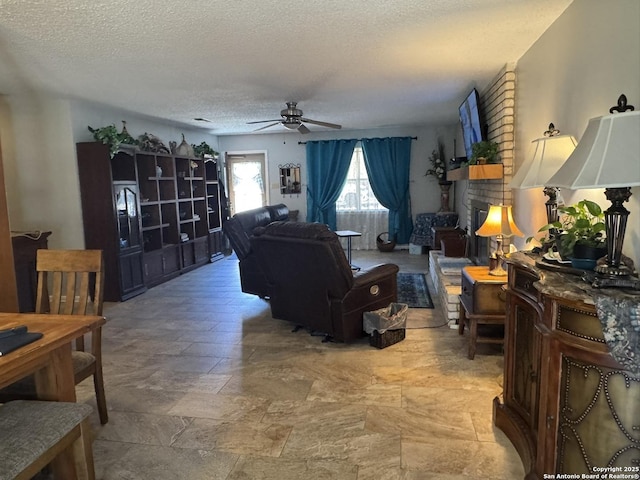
{"x": 387, "y": 161}
{"x": 327, "y": 167}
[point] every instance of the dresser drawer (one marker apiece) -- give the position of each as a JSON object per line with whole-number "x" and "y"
{"x": 522, "y": 282}
{"x": 482, "y": 292}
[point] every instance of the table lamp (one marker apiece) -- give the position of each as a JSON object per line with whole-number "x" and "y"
{"x": 550, "y": 153}
{"x": 608, "y": 156}
{"x": 499, "y": 223}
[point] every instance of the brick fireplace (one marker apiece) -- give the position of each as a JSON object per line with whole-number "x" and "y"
{"x": 497, "y": 102}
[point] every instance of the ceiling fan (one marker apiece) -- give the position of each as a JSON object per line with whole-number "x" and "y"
{"x": 293, "y": 120}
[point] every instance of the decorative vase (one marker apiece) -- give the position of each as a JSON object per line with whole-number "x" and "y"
{"x": 184, "y": 149}
{"x": 444, "y": 196}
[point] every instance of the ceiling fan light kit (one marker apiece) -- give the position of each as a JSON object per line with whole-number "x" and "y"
{"x": 292, "y": 119}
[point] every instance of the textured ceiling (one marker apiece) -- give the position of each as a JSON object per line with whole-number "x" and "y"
{"x": 359, "y": 63}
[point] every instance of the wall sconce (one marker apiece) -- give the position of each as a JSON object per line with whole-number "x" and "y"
{"x": 608, "y": 156}
{"x": 550, "y": 153}
{"x": 499, "y": 223}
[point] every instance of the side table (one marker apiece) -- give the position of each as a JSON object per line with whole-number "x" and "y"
{"x": 349, "y": 234}
{"x": 482, "y": 302}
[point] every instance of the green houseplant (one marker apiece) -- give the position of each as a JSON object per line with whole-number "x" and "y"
{"x": 109, "y": 136}
{"x": 484, "y": 152}
{"x": 580, "y": 230}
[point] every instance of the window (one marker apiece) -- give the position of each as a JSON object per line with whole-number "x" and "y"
{"x": 357, "y": 195}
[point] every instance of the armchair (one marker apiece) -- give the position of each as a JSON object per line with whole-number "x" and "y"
{"x": 311, "y": 282}
{"x": 239, "y": 230}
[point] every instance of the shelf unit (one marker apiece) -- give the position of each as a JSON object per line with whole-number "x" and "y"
{"x": 109, "y": 193}
{"x": 167, "y": 226}
{"x": 214, "y": 207}
{"x": 488, "y": 171}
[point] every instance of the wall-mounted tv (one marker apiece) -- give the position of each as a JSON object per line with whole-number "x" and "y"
{"x": 472, "y": 131}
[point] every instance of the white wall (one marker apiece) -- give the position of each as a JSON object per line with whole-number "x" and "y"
{"x": 576, "y": 71}
{"x": 283, "y": 148}
{"x": 40, "y": 173}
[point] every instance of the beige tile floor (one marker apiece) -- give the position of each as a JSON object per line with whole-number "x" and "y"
{"x": 202, "y": 383}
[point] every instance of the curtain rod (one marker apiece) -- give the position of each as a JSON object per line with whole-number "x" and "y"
{"x": 358, "y": 139}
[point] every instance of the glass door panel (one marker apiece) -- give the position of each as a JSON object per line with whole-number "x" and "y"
{"x": 128, "y": 221}
{"x": 247, "y": 183}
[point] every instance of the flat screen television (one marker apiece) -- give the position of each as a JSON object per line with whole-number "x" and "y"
{"x": 472, "y": 131}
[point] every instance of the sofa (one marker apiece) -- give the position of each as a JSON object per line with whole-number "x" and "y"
{"x": 312, "y": 284}
{"x": 239, "y": 230}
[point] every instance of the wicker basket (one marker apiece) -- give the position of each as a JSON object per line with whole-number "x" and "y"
{"x": 387, "y": 338}
{"x": 385, "y": 245}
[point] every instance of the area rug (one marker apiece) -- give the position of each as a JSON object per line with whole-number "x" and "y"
{"x": 413, "y": 290}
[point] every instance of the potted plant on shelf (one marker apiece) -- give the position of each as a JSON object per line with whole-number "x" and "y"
{"x": 484, "y": 152}
{"x": 109, "y": 136}
{"x": 580, "y": 233}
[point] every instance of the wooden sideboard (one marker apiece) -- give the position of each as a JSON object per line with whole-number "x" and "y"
{"x": 568, "y": 406}
{"x": 25, "y": 246}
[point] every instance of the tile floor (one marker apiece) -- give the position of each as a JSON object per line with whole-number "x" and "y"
{"x": 202, "y": 383}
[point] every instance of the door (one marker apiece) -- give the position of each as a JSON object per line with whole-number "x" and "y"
{"x": 246, "y": 177}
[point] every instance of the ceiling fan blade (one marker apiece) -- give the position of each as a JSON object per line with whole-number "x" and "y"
{"x": 323, "y": 124}
{"x": 265, "y": 121}
{"x": 303, "y": 129}
{"x": 266, "y": 126}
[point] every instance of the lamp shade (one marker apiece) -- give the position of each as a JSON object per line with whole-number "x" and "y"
{"x": 608, "y": 155}
{"x": 499, "y": 221}
{"x": 549, "y": 155}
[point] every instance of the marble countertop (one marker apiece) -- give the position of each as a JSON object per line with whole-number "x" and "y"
{"x": 617, "y": 308}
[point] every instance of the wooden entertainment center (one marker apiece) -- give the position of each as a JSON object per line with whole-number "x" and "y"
{"x": 571, "y": 400}
{"x": 154, "y": 215}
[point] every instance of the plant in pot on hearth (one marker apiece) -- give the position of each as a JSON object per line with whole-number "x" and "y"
{"x": 484, "y": 152}
{"x": 580, "y": 233}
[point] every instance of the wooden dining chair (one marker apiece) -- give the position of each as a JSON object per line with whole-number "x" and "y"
{"x": 33, "y": 434}
{"x": 71, "y": 282}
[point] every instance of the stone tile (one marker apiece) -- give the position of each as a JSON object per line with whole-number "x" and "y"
{"x": 317, "y": 415}
{"x": 289, "y": 469}
{"x": 118, "y": 461}
{"x": 203, "y": 384}
{"x": 267, "y": 387}
{"x": 145, "y": 429}
{"x": 358, "y": 447}
{"x": 416, "y": 424}
{"x": 458, "y": 400}
{"x": 184, "y": 382}
{"x": 470, "y": 459}
{"x": 221, "y": 407}
{"x": 244, "y": 438}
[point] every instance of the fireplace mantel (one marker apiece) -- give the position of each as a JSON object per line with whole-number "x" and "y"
{"x": 476, "y": 172}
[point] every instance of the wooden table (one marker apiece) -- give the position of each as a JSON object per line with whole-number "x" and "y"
{"x": 482, "y": 302}
{"x": 49, "y": 359}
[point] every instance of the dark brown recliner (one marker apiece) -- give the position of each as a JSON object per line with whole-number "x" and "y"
{"x": 239, "y": 230}
{"x": 311, "y": 282}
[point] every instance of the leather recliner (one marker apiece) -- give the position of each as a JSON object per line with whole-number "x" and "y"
{"x": 239, "y": 230}
{"x": 312, "y": 284}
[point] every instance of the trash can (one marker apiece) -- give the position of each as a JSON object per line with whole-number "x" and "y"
{"x": 386, "y": 326}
